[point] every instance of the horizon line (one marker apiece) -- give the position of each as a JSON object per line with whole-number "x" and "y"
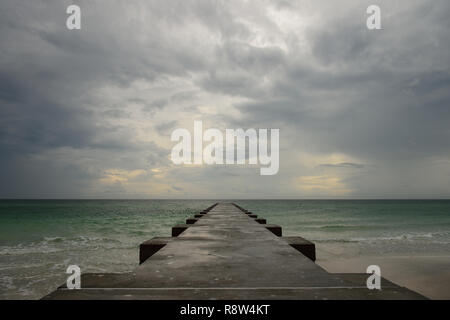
{"x": 230, "y": 199}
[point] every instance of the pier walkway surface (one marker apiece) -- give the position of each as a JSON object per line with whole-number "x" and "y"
{"x": 226, "y": 252}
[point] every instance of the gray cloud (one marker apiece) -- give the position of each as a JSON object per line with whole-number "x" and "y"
{"x": 89, "y": 112}
{"x": 166, "y": 128}
{"x": 343, "y": 165}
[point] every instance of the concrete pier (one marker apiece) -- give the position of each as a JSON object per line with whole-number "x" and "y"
{"x": 227, "y": 252}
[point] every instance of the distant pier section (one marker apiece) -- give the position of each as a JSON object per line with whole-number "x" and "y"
{"x": 227, "y": 252}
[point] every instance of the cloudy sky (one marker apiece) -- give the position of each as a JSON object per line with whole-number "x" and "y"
{"x": 88, "y": 113}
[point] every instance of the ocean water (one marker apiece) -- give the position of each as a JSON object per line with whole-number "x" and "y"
{"x": 40, "y": 238}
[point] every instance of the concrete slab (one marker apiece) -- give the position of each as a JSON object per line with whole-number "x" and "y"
{"x": 150, "y": 247}
{"x": 191, "y": 220}
{"x": 303, "y": 246}
{"x": 275, "y": 229}
{"x": 234, "y": 294}
{"x": 178, "y": 229}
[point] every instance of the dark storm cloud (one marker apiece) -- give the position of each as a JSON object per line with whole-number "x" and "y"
{"x": 383, "y": 97}
{"x": 362, "y": 97}
{"x": 48, "y": 78}
{"x": 75, "y": 104}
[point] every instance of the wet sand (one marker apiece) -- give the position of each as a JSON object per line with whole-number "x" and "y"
{"x": 428, "y": 275}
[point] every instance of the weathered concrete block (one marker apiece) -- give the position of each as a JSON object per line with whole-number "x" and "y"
{"x": 191, "y": 220}
{"x": 305, "y": 247}
{"x": 261, "y": 220}
{"x": 275, "y": 229}
{"x": 238, "y": 206}
{"x": 209, "y": 208}
{"x": 178, "y": 229}
{"x": 150, "y": 247}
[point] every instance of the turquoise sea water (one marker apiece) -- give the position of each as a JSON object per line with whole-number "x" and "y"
{"x": 40, "y": 238}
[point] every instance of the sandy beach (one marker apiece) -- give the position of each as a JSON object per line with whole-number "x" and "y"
{"x": 428, "y": 275}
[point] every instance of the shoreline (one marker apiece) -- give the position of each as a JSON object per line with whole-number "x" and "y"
{"x": 428, "y": 275}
